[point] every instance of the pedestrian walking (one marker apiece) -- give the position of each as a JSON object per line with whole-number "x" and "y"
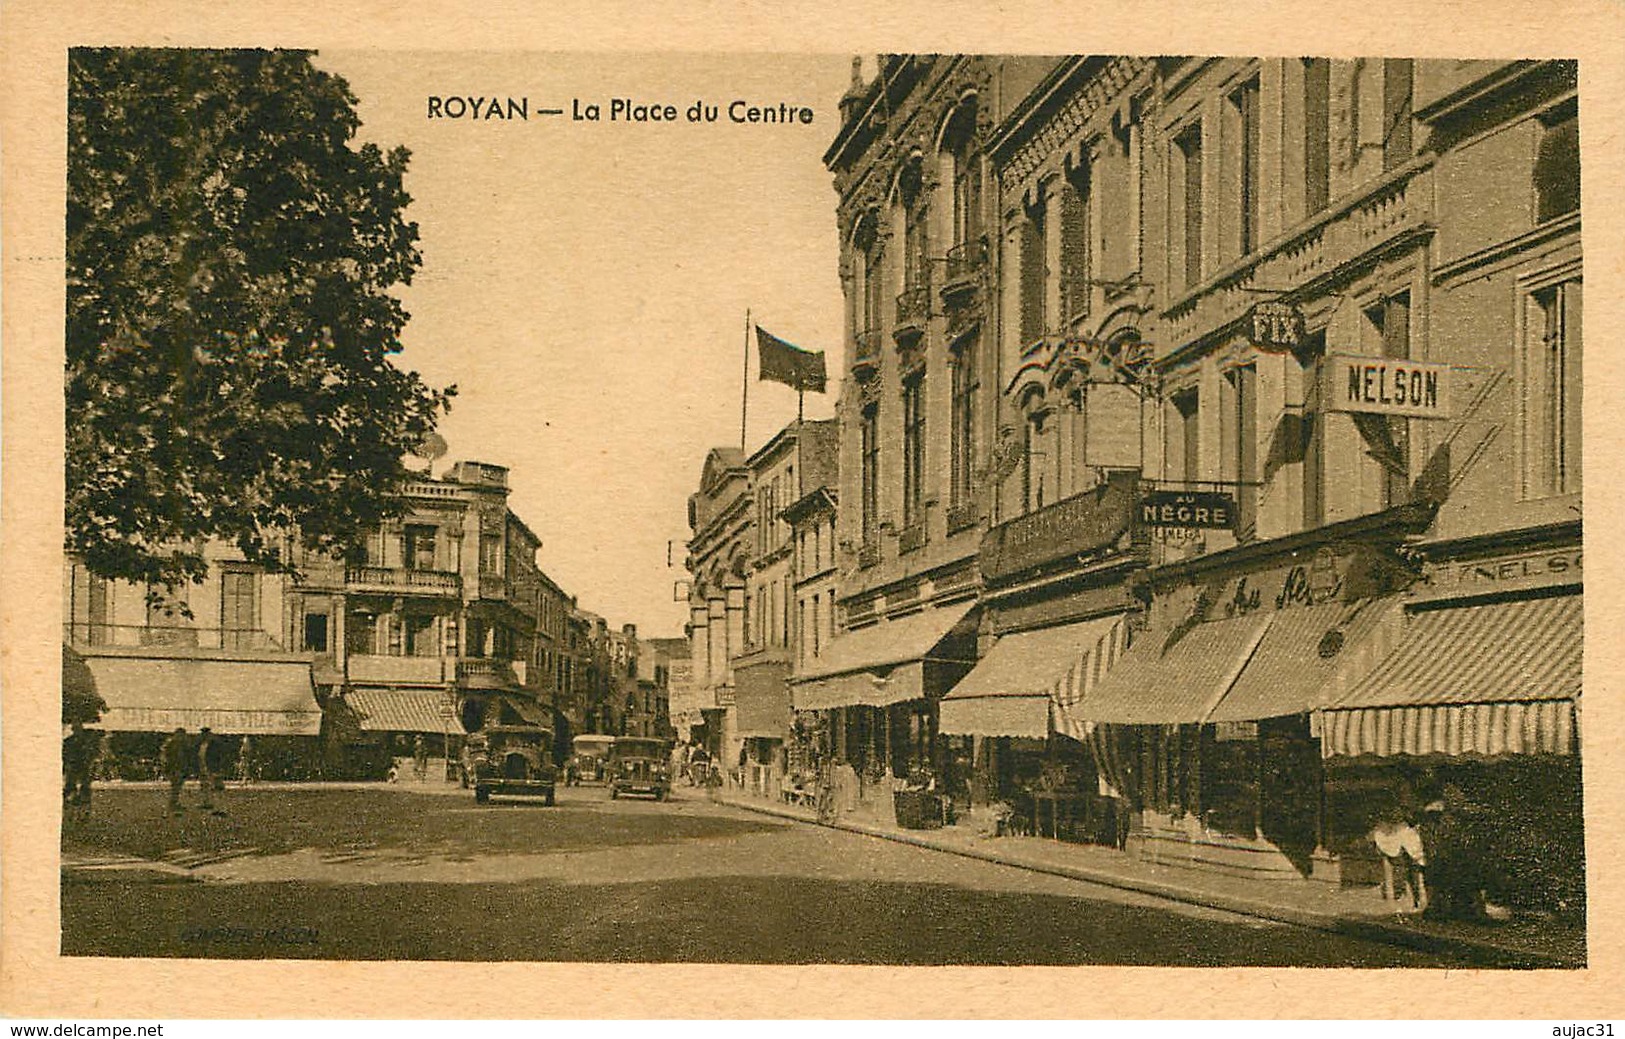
{"x": 174, "y": 757}
{"x": 210, "y": 780}
{"x": 420, "y": 759}
{"x": 78, "y": 757}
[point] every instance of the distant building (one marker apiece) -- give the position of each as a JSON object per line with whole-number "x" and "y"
{"x": 721, "y": 516}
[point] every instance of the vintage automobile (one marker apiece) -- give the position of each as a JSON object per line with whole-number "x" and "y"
{"x": 638, "y": 765}
{"x": 587, "y": 763}
{"x": 512, "y": 760}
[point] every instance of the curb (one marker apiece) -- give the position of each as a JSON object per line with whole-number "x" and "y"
{"x": 1490, "y": 953}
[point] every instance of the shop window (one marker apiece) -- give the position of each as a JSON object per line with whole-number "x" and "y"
{"x": 1397, "y": 86}
{"x": 1551, "y": 367}
{"x": 1317, "y": 166}
{"x": 1188, "y": 161}
{"x": 1557, "y": 164}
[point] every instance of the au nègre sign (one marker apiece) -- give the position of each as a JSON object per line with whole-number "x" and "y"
{"x": 1205, "y": 510}
{"x": 1387, "y": 386}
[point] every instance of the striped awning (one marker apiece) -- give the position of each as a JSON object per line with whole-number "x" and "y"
{"x": 1308, "y": 656}
{"x": 1030, "y": 682}
{"x": 403, "y": 710}
{"x": 1487, "y": 679}
{"x": 1175, "y": 677}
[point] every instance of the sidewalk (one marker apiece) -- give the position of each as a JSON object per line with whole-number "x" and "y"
{"x": 1358, "y": 912}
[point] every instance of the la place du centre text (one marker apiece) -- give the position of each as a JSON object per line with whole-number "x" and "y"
{"x": 617, "y": 110}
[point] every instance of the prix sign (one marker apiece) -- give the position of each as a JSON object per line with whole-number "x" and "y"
{"x": 1192, "y": 510}
{"x": 1387, "y": 386}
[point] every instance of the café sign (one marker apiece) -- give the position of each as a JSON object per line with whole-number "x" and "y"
{"x": 1387, "y": 386}
{"x": 1201, "y": 510}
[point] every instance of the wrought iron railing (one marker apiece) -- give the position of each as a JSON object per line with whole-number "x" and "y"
{"x": 404, "y": 579}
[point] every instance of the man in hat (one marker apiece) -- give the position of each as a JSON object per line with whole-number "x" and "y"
{"x": 172, "y": 761}
{"x": 78, "y": 755}
{"x": 208, "y": 768}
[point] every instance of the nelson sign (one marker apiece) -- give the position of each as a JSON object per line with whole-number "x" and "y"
{"x": 1387, "y": 386}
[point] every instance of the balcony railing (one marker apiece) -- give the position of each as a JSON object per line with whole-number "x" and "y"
{"x": 913, "y": 310}
{"x": 493, "y": 586}
{"x": 869, "y": 552}
{"x": 402, "y": 579}
{"x": 489, "y": 671}
{"x": 962, "y": 271}
{"x": 963, "y": 516}
{"x": 865, "y": 353}
{"x": 1374, "y": 220}
{"x": 912, "y": 538}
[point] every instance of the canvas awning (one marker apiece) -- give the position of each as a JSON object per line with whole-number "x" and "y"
{"x": 1178, "y": 676}
{"x": 1031, "y": 682}
{"x": 252, "y": 697}
{"x": 885, "y": 663}
{"x": 1308, "y": 655}
{"x": 403, "y": 710}
{"x": 762, "y": 699}
{"x": 1486, "y": 679}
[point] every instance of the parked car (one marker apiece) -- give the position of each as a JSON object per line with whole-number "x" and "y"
{"x": 512, "y": 760}
{"x": 588, "y": 763}
{"x": 639, "y": 765}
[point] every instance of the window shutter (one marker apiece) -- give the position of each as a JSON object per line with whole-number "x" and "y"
{"x": 1032, "y": 282}
{"x": 1074, "y": 253}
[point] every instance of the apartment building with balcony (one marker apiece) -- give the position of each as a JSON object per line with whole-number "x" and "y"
{"x": 916, "y": 416}
{"x": 1287, "y": 367}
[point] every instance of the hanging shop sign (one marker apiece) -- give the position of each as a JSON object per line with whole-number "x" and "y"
{"x": 1203, "y": 510}
{"x": 1387, "y": 386}
{"x": 1277, "y": 328}
{"x": 1085, "y": 523}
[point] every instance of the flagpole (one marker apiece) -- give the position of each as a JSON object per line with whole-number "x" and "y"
{"x": 800, "y": 396}
{"x": 744, "y": 383}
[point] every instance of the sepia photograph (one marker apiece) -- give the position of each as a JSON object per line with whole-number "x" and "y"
{"x": 951, "y": 509}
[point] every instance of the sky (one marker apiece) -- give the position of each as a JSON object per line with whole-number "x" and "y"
{"x": 585, "y": 284}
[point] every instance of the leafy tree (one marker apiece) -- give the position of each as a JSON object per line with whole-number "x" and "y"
{"x": 230, "y": 258}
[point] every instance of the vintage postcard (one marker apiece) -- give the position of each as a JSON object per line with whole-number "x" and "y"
{"x": 596, "y": 507}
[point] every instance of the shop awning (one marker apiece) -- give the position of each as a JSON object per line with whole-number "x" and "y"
{"x": 1031, "y": 682}
{"x": 528, "y": 711}
{"x": 885, "y": 663}
{"x": 403, "y": 710}
{"x": 271, "y": 697}
{"x": 1308, "y": 656}
{"x": 762, "y": 699}
{"x": 1175, "y": 677}
{"x": 1495, "y": 678}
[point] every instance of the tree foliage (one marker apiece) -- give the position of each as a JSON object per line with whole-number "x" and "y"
{"x": 230, "y": 258}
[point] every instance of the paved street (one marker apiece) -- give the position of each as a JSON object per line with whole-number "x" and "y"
{"x": 406, "y": 874}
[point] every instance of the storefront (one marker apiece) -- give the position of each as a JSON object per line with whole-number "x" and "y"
{"x": 762, "y": 703}
{"x": 1204, "y": 726}
{"x": 878, "y": 688}
{"x": 261, "y": 701}
{"x": 1477, "y": 709}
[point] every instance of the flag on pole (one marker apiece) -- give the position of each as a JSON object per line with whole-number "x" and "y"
{"x": 781, "y": 362}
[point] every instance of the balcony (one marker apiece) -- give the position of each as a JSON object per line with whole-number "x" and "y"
{"x": 962, "y": 273}
{"x": 869, "y": 552}
{"x": 913, "y": 310}
{"x": 488, "y": 673}
{"x": 963, "y": 516}
{"x": 866, "y": 353}
{"x": 1387, "y": 215}
{"x": 397, "y": 580}
{"x": 912, "y": 538}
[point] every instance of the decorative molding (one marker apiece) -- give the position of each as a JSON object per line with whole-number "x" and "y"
{"x": 1099, "y": 93}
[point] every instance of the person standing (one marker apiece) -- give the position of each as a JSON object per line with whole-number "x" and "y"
{"x": 247, "y": 767}
{"x": 420, "y": 759}
{"x": 173, "y": 759}
{"x": 78, "y": 756}
{"x": 208, "y": 769}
